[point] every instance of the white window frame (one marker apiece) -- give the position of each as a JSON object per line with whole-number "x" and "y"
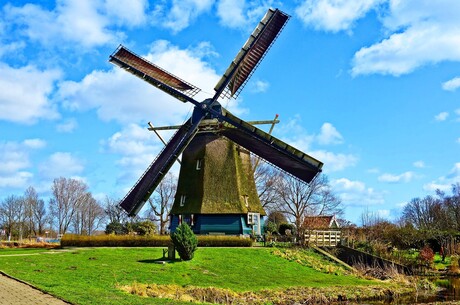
{"x": 253, "y": 218}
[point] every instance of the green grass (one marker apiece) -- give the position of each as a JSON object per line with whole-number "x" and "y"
{"x": 94, "y": 275}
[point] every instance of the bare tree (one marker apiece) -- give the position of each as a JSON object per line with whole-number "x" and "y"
{"x": 161, "y": 201}
{"x": 35, "y": 211}
{"x": 298, "y": 199}
{"x": 266, "y": 178}
{"x": 113, "y": 211}
{"x": 11, "y": 215}
{"x": 89, "y": 216}
{"x": 67, "y": 196}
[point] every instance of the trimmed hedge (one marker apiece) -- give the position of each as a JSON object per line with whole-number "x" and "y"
{"x": 72, "y": 240}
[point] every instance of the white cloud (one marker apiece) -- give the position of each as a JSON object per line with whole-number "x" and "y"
{"x": 451, "y": 85}
{"x": 444, "y": 183}
{"x": 259, "y": 86}
{"x": 295, "y": 135}
{"x": 240, "y": 13}
{"x": 334, "y": 162}
{"x": 83, "y": 22}
{"x": 61, "y": 164}
{"x": 180, "y": 14}
{"x": 356, "y": 193}
{"x": 421, "y": 32}
{"x": 419, "y": 164}
{"x": 15, "y": 162}
{"x": 329, "y": 135}
{"x": 127, "y": 12}
{"x": 67, "y": 126}
{"x": 34, "y": 143}
{"x": 402, "y": 178}
{"x": 118, "y": 95}
{"x": 24, "y": 94}
{"x": 334, "y": 15}
{"x": 441, "y": 116}
{"x": 137, "y": 148}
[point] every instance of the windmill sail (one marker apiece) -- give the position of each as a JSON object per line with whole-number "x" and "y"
{"x": 275, "y": 151}
{"x": 145, "y": 186}
{"x": 153, "y": 74}
{"x": 253, "y": 51}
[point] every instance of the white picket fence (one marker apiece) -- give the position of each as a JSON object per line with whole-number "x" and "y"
{"x": 323, "y": 238}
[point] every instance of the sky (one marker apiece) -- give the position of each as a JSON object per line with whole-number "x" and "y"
{"x": 369, "y": 87}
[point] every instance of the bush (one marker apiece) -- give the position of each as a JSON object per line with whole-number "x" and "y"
{"x": 145, "y": 228}
{"x": 286, "y": 226}
{"x": 73, "y": 240}
{"x": 270, "y": 227}
{"x": 426, "y": 256}
{"x": 115, "y": 228}
{"x": 184, "y": 241}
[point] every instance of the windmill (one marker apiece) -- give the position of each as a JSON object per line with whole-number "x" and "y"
{"x": 216, "y": 190}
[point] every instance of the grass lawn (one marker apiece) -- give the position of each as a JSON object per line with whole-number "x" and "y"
{"x": 94, "y": 275}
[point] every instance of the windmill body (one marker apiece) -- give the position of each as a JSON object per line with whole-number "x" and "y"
{"x": 216, "y": 189}
{"x": 220, "y": 140}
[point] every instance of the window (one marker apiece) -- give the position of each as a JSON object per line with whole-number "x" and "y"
{"x": 182, "y": 200}
{"x": 199, "y": 163}
{"x": 253, "y": 218}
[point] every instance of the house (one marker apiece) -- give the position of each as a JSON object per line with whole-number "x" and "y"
{"x": 322, "y": 230}
{"x": 321, "y": 223}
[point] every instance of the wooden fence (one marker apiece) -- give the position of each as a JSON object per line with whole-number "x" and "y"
{"x": 323, "y": 238}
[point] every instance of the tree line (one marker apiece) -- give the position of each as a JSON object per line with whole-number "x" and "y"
{"x": 71, "y": 207}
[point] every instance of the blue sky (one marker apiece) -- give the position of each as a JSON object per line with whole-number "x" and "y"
{"x": 369, "y": 87}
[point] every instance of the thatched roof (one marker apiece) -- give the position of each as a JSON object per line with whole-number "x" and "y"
{"x": 223, "y": 185}
{"x": 321, "y": 222}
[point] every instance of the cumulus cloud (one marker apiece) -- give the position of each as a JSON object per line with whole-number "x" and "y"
{"x": 126, "y": 12}
{"x": 67, "y": 126}
{"x": 259, "y": 86}
{"x": 334, "y": 15}
{"x": 241, "y": 14}
{"x": 401, "y": 178}
{"x": 419, "y": 164}
{"x": 25, "y": 94}
{"x": 15, "y": 169}
{"x": 137, "y": 148}
{"x": 180, "y": 13}
{"x": 444, "y": 183}
{"x": 441, "y": 116}
{"x": 334, "y": 162}
{"x": 356, "y": 193}
{"x": 120, "y": 96}
{"x": 61, "y": 164}
{"x": 73, "y": 21}
{"x": 451, "y": 85}
{"x": 421, "y": 32}
{"x": 329, "y": 135}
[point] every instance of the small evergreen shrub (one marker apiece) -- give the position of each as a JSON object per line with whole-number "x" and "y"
{"x": 184, "y": 241}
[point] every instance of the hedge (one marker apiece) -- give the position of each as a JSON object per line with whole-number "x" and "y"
{"x": 72, "y": 240}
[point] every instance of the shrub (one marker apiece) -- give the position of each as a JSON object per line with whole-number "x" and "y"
{"x": 426, "y": 255}
{"x": 145, "y": 228}
{"x": 184, "y": 241}
{"x": 286, "y": 226}
{"x": 72, "y": 240}
{"x": 270, "y": 227}
{"x": 115, "y": 228}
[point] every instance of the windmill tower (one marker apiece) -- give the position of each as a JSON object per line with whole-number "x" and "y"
{"x": 216, "y": 191}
